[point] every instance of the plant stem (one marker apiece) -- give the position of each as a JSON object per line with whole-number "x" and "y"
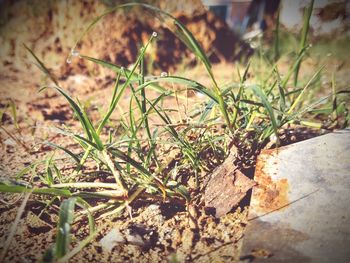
{"x": 115, "y": 173}
{"x": 86, "y": 185}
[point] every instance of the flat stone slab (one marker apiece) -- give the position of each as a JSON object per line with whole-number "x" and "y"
{"x": 300, "y": 207}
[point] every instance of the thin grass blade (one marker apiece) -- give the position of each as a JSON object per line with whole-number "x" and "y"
{"x": 63, "y": 237}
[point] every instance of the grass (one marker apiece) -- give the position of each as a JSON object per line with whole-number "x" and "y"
{"x": 261, "y": 108}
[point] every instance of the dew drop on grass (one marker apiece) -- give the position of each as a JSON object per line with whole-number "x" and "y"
{"x": 164, "y": 74}
{"x": 74, "y": 53}
{"x": 154, "y": 34}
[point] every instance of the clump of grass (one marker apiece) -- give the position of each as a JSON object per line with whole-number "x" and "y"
{"x": 133, "y": 159}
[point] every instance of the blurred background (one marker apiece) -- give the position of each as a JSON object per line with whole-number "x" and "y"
{"x": 230, "y": 32}
{"x": 226, "y": 29}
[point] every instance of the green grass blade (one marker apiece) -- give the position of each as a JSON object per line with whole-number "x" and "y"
{"x": 297, "y": 100}
{"x": 306, "y": 26}
{"x": 79, "y": 247}
{"x": 121, "y": 91}
{"x": 74, "y": 156}
{"x": 14, "y": 113}
{"x": 276, "y": 46}
{"x": 76, "y": 108}
{"x": 80, "y": 139}
{"x": 113, "y": 67}
{"x": 41, "y": 66}
{"x": 66, "y": 215}
{"x": 115, "y": 89}
{"x": 268, "y": 107}
{"x": 116, "y": 152}
{"x": 92, "y": 130}
{"x": 180, "y": 80}
{"x": 293, "y": 67}
{"x": 5, "y": 188}
{"x": 208, "y": 108}
{"x": 49, "y": 176}
{"x": 185, "y": 36}
{"x": 28, "y": 168}
{"x": 118, "y": 70}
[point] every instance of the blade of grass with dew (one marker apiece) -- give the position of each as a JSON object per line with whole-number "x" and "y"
{"x": 185, "y": 36}
{"x": 121, "y": 91}
{"x": 76, "y": 108}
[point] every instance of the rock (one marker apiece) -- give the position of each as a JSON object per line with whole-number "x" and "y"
{"x": 141, "y": 235}
{"x": 226, "y": 187}
{"x": 135, "y": 239}
{"x": 137, "y": 235}
{"x": 176, "y": 238}
{"x": 109, "y": 241}
{"x": 299, "y": 210}
{"x": 187, "y": 239}
{"x": 153, "y": 215}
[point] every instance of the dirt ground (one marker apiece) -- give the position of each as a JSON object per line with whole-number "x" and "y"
{"x": 170, "y": 224}
{"x": 169, "y": 233}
